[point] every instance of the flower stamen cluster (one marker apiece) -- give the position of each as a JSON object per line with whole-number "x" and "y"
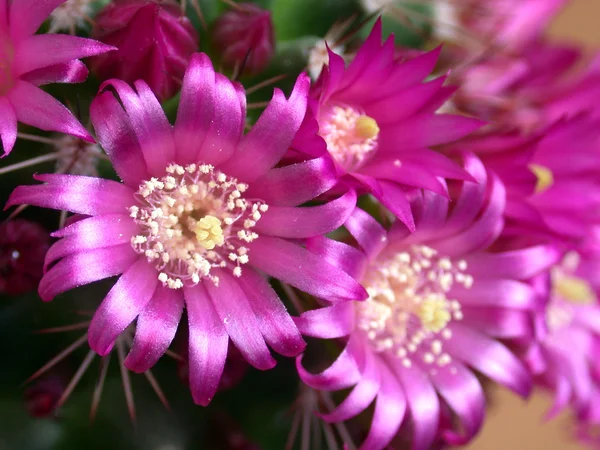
{"x": 351, "y": 136}
{"x": 194, "y": 219}
{"x": 409, "y": 309}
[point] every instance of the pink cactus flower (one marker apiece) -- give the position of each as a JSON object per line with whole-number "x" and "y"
{"x": 28, "y": 61}
{"x": 155, "y": 43}
{"x": 440, "y": 304}
{"x": 544, "y": 194}
{"x": 565, "y": 356}
{"x": 201, "y": 208}
{"x": 244, "y": 38}
{"x": 377, "y": 146}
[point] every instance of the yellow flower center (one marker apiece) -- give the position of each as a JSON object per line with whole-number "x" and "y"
{"x": 366, "y": 127}
{"x": 209, "y": 232}
{"x": 434, "y": 314}
{"x": 545, "y": 178}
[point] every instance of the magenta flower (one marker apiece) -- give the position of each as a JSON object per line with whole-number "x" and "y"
{"x": 565, "y": 356}
{"x": 28, "y": 61}
{"x": 530, "y": 89}
{"x": 201, "y": 207}
{"x": 546, "y": 198}
{"x": 244, "y": 37}
{"x": 155, "y": 42}
{"x": 377, "y": 146}
{"x": 439, "y": 304}
{"x": 23, "y": 246}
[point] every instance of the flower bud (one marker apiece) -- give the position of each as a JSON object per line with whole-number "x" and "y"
{"x": 244, "y": 37}
{"x": 155, "y": 42}
{"x": 23, "y": 246}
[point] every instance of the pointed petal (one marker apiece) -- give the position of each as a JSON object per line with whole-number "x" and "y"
{"x": 155, "y": 329}
{"x": 26, "y": 16}
{"x": 70, "y": 72}
{"x": 44, "y": 50}
{"x": 295, "y": 184}
{"x": 423, "y": 404}
{"x": 8, "y": 125}
{"x": 361, "y": 396}
{"x": 369, "y": 233}
{"x": 338, "y": 254}
{"x": 274, "y": 320}
{"x": 330, "y": 322}
{"x": 235, "y": 312}
{"x": 127, "y": 298}
{"x": 271, "y": 136}
{"x": 154, "y": 133}
{"x": 83, "y": 195}
{"x": 95, "y": 232}
{"x": 196, "y": 108}
{"x": 463, "y": 393}
{"x": 343, "y": 373}
{"x": 295, "y": 265}
{"x": 117, "y": 137}
{"x": 390, "y": 408}
{"x": 37, "y": 108}
{"x": 489, "y": 357}
{"x": 305, "y": 222}
{"x": 208, "y": 344}
{"x": 84, "y": 268}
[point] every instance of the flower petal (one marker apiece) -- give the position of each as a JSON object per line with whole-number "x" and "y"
{"x": 343, "y": 373}
{"x": 423, "y": 404}
{"x": 305, "y": 222}
{"x": 70, "y": 72}
{"x": 95, "y": 232}
{"x": 227, "y": 123}
{"x": 26, "y": 16}
{"x": 271, "y": 136}
{"x": 369, "y": 233}
{"x": 127, "y": 298}
{"x": 295, "y": 265}
{"x": 8, "y": 125}
{"x": 330, "y": 322}
{"x": 83, "y": 195}
{"x": 463, "y": 393}
{"x": 338, "y": 254}
{"x": 275, "y": 322}
{"x": 39, "y": 109}
{"x": 390, "y": 408}
{"x": 117, "y": 136}
{"x": 155, "y": 329}
{"x": 295, "y": 184}
{"x": 208, "y": 344}
{"x": 233, "y": 308}
{"x": 516, "y": 264}
{"x": 44, "y": 50}
{"x": 154, "y": 133}
{"x": 84, "y": 268}
{"x": 489, "y": 357}
{"x": 196, "y": 108}
{"x": 361, "y": 396}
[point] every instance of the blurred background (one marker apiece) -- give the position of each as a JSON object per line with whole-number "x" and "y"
{"x": 511, "y": 422}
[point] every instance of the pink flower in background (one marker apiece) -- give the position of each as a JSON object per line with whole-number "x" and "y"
{"x": 552, "y": 178}
{"x": 565, "y": 357}
{"x": 28, "y": 61}
{"x": 244, "y": 36}
{"x": 23, "y": 246}
{"x": 379, "y": 119}
{"x": 155, "y": 43}
{"x": 530, "y": 89}
{"x": 201, "y": 208}
{"x": 439, "y": 305}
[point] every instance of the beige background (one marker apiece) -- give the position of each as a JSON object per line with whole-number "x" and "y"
{"x": 513, "y": 424}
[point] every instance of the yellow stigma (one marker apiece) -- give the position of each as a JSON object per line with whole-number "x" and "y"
{"x": 545, "y": 178}
{"x": 209, "y": 232}
{"x": 366, "y": 127}
{"x": 434, "y": 314}
{"x": 575, "y": 290}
